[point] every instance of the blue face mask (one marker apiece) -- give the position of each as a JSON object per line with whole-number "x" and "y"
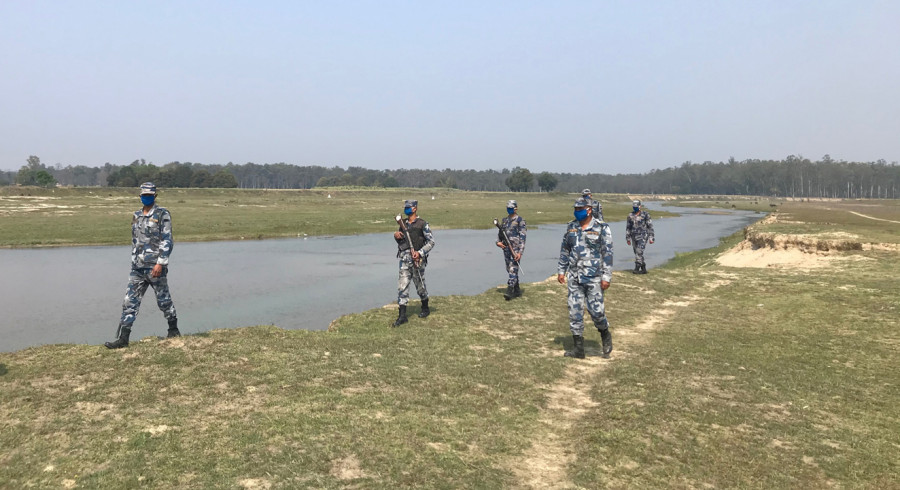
{"x": 636, "y": 209}
{"x": 580, "y": 214}
{"x": 148, "y": 199}
{"x": 407, "y": 211}
{"x": 510, "y": 210}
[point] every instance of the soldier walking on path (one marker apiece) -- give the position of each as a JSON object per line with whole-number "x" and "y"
{"x": 412, "y": 260}
{"x": 638, "y": 232}
{"x": 585, "y": 266}
{"x": 596, "y": 207}
{"x": 151, "y": 245}
{"x": 512, "y": 228}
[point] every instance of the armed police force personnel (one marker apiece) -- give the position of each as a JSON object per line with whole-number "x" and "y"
{"x": 585, "y": 266}
{"x": 596, "y": 207}
{"x": 412, "y": 261}
{"x": 638, "y": 232}
{"x": 512, "y": 228}
{"x": 151, "y": 245}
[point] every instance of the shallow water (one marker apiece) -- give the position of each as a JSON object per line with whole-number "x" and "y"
{"x": 74, "y": 295}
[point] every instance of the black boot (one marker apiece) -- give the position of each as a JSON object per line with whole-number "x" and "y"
{"x": 643, "y": 268}
{"x": 517, "y": 291}
{"x": 606, "y": 338}
{"x": 578, "y": 351}
{"x": 510, "y": 293}
{"x": 425, "y": 311}
{"x": 637, "y": 268}
{"x": 401, "y": 318}
{"x": 120, "y": 342}
{"x": 173, "y": 329}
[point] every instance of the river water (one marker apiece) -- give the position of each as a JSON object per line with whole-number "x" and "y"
{"x": 74, "y": 295}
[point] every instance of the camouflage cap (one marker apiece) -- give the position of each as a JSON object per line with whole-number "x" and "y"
{"x": 148, "y": 188}
{"x": 582, "y": 203}
{"x": 586, "y": 192}
{"x": 410, "y": 203}
{"x": 636, "y": 203}
{"x": 512, "y": 203}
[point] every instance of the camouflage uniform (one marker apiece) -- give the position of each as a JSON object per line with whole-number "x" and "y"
{"x": 596, "y": 207}
{"x": 515, "y": 229}
{"x": 586, "y": 258}
{"x": 423, "y": 240}
{"x": 639, "y": 230}
{"x": 151, "y": 244}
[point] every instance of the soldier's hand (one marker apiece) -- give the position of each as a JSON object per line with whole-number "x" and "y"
{"x": 518, "y": 257}
{"x": 416, "y": 255}
{"x": 651, "y": 241}
{"x": 627, "y": 242}
{"x": 157, "y": 270}
{"x": 398, "y": 235}
{"x": 501, "y": 245}
{"x": 604, "y": 285}
{"x": 561, "y": 278}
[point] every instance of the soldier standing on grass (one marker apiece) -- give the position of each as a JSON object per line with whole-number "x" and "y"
{"x": 585, "y": 266}
{"x": 639, "y": 230}
{"x": 412, "y": 262}
{"x": 151, "y": 245}
{"x": 596, "y": 207}
{"x": 513, "y": 226}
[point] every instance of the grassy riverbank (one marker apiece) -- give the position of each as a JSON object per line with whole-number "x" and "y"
{"x": 721, "y": 376}
{"x": 34, "y": 217}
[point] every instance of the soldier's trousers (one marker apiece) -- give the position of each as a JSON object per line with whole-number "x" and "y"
{"x": 138, "y": 281}
{"x": 512, "y": 267}
{"x": 639, "y": 244}
{"x": 585, "y": 292}
{"x": 407, "y": 272}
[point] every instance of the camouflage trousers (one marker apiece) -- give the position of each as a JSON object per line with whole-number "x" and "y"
{"x": 512, "y": 267}
{"x": 639, "y": 244}
{"x": 579, "y": 294}
{"x": 138, "y": 281}
{"x": 409, "y": 272}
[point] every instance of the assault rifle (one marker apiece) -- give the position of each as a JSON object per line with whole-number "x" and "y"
{"x": 402, "y": 223}
{"x": 508, "y": 244}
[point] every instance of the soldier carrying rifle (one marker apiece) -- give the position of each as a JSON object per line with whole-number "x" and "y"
{"x": 511, "y": 238}
{"x": 414, "y": 242}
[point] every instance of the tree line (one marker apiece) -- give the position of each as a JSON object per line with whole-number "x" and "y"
{"x": 792, "y": 177}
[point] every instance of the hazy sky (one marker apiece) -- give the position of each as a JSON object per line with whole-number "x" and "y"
{"x": 594, "y": 86}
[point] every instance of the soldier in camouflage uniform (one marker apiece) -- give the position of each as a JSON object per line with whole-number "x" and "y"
{"x": 412, "y": 262}
{"x": 514, "y": 227}
{"x": 596, "y": 207}
{"x": 585, "y": 265}
{"x": 639, "y": 231}
{"x": 151, "y": 245}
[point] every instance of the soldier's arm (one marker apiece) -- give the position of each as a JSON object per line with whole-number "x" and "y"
{"x": 629, "y": 224}
{"x": 563, "y": 264}
{"x": 429, "y": 239}
{"x": 165, "y": 238}
{"x": 607, "y": 253}
{"x": 650, "y": 226}
{"x": 523, "y": 233}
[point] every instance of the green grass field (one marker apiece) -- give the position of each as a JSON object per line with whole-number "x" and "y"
{"x": 721, "y": 377}
{"x": 34, "y": 217}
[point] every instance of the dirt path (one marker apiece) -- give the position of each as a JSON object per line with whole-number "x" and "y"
{"x": 545, "y": 463}
{"x": 872, "y": 217}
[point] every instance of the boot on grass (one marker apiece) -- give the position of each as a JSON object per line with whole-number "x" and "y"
{"x": 401, "y": 317}
{"x": 425, "y": 310}
{"x": 578, "y": 351}
{"x": 121, "y": 341}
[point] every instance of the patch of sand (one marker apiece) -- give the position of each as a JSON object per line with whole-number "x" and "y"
{"x": 255, "y": 483}
{"x": 745, "y": 254}
{"x": 874, "y": 218}
{"x": 347, "y": 468}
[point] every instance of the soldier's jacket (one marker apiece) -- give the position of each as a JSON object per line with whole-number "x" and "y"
{"x": 515, "y": 229}
{"x": 639, "y": 226}
{"x": 151, "y": 238}
{"x": 588, "y": 253}
{"x": 421, "y": 236}
{"x": 597, "y": 208}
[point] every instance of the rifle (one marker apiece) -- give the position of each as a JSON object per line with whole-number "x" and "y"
{"x": 403, "y": 227}
{"x": 508, "y": 244}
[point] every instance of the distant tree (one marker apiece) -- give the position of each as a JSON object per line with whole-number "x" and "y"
{"x": 224, "y": 179}
{"x": 201, "y": 178}
{"x": 520, "y": 180}
{"x": 44, "y": 179}
{"x": 546, "y": 181}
